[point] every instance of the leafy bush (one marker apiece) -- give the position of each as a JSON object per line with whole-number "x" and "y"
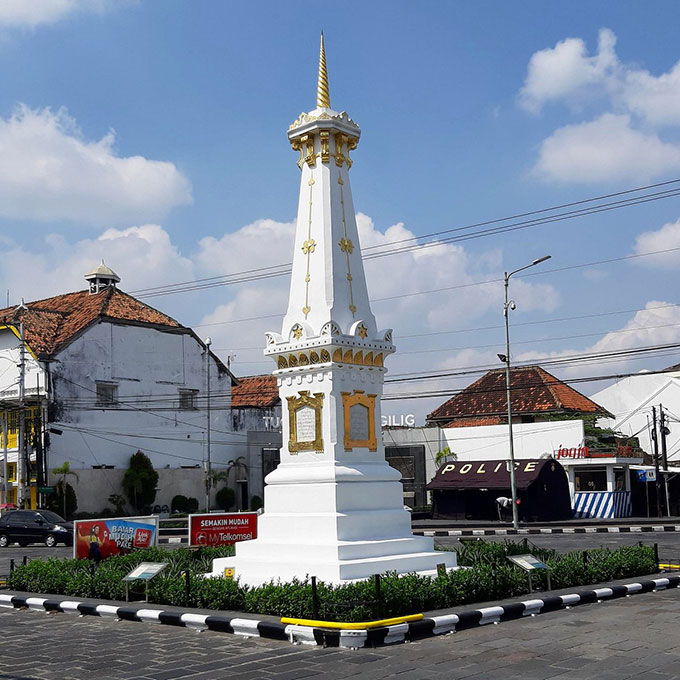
{"x": 256, "y": 503}
{"x": 184, "y": 504}
{"x": 225, "y": 498}
{"x": 490, "y": 577}
{"x": 55, "y": 500}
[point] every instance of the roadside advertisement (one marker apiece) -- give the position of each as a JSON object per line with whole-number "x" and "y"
{"x": 222, "y": 528}
{"x": 97, "y": 539}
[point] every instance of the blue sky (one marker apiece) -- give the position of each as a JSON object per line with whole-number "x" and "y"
{"x": 152, "y": 133}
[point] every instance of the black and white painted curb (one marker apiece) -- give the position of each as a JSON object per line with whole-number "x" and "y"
{"x": 353, "y": 639}
{"x": 645, "y": 528}
{"x": 221, "y": 624}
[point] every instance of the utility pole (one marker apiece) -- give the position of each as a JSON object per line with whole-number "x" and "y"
{"x": 21, "y": 442}
{"x": 208, "y": 470}
{"x": 664, "y": 456}
{"x": 656, "y": 463}
{"x": 5, "y": 430}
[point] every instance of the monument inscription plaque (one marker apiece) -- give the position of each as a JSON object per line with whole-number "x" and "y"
{"x": 304, "y": 422}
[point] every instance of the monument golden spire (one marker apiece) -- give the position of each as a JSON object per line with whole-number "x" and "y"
{"x": 323, "y": 97}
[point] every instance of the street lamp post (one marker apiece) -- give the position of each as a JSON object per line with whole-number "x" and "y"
{"x": 208, "y": 467}
{"x": 510, "y": 304}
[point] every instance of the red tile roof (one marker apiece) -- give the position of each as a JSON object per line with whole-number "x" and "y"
{"x": 255, "y": 391}
{"x": 52, "y": 323}
{"x": 533, "y": 391}
{"x": 474, "y": 422}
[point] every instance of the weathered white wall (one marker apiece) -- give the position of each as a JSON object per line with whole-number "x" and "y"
{"x": 149, "y": 366}
{"x": 630, "y": 400}
{"x": 93, "y": 487}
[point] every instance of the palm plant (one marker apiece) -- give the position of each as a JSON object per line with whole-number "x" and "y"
{"x": 64, "y": 470}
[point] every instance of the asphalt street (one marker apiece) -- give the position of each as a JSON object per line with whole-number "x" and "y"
{"x": 669, "y": 545}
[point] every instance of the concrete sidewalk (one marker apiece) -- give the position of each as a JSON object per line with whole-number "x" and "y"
{"x": 433, "y": 527}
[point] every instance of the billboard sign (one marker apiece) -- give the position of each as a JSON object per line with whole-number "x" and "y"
{"x": 225, "y": 528}
{"x": 98, "y": 539}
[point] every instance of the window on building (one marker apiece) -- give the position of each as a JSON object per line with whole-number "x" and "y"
{"x": 188, "y": 400}
{"x": 107, "y": 394}
{"x": 619, "y": 479}
{"x": 590, "y": 479}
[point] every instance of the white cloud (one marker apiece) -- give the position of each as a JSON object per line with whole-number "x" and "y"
{"x": 656, "y": 99}
{"x": 666, "y": 238}
{"x": 657, "y": 324}
{"x": 567, "y": 72}
{"x": 623, "y": 142}
{"x": 267, "y": 242}
{"x": 33, "y": 13}
{"x": 142, "y": 256}
{"x": 49, "y": 172}
{"x": 607, "y": 149}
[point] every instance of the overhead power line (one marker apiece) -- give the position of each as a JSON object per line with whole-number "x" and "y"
{"x": 504, "y": 224}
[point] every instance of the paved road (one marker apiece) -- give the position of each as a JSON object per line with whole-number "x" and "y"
{"x": 669, "y": 545}
{"x": 636, "y": 637}
{"x": 668, "y": 542}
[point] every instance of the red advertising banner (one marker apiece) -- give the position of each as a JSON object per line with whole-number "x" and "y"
{"x": 97, "y": 539}
{"x": 222, "y": 528}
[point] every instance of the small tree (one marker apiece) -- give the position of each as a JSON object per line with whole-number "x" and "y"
{"x": 118, "y": 503}
{"x": 62, "y": 488}
{"x": 139, "y": 482}
{"x": 444, "y": 456}
{"x": 225, "y": 498}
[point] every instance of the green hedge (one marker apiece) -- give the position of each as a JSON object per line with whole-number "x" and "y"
{"x": 489, "y": 577}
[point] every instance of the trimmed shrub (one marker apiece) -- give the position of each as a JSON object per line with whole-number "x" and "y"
{"x": 225, "y": 498}
{"x": 184, "y": 504}
{"x": 488, "y": 579}
{"x": 255, "y": 503}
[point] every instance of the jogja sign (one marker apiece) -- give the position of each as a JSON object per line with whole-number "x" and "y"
{"x": 622, "y": 451}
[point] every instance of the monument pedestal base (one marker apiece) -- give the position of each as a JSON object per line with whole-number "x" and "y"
{"x": 257, "y": 569}
{"x": 340, "y": 523}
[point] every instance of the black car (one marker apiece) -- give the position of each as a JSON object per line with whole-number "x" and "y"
{"x": 34, "y": 526}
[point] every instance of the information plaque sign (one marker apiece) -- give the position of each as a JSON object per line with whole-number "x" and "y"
{"x": 143, "y": 572}
{"x": 529, "y": 563}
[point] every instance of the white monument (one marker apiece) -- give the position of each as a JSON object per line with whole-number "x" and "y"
{"x": 333, "y": 507}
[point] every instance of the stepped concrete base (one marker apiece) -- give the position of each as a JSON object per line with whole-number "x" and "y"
{"x": 276, "y": 562}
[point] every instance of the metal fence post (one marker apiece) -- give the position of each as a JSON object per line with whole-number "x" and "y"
{"x": 378, "y": 597}
{"x": 315, "y": 599}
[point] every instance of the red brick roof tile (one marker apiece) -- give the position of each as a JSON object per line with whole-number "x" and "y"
{"x": 51, "y": 323}
{"x": 533, "y": 391}
{"x": 255, "y": 391}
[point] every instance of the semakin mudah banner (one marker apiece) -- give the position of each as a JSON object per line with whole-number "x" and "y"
{"x": 97, "y": 539}
{"x": 222, "y": 528}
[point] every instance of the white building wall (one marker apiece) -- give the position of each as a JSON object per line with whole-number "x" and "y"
{"x": 10, "y": 357}
{"x": 630, "y": 400}
{"x": 489, "y": 442}
{"x": 149, "y": 367}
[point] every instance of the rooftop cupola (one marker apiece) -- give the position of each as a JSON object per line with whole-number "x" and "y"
{"x": 101, "y": 277}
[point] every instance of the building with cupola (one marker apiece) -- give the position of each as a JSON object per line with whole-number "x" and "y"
{"x": 93, "y": 376}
